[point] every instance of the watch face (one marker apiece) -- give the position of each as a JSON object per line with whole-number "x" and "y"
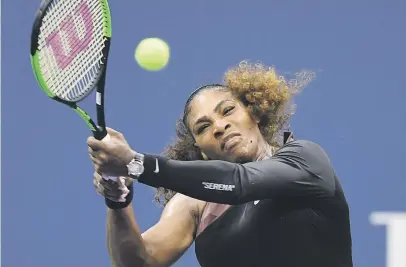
{"x": 135, "y": 168}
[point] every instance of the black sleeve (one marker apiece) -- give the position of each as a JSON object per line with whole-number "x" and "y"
{"x": 299, "y": 168}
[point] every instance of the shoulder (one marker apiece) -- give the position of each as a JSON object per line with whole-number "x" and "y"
{"x": 310, "y": 157}
{"x": 305, "y": 148}
{"x": 182, "y": 203}
{"x": 301, "y": 144}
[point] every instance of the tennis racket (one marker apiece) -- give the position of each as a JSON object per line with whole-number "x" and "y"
{"x": 70, "y": 43}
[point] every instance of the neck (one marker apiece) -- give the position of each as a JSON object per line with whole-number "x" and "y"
{"x": 265, "y": 151}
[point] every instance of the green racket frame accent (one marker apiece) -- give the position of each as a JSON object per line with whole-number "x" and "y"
{"x": 86, "y": 118}
{"x": 107, "y": 22}
{"x": 38, "y": 74}
{"x": 35, "y": 63}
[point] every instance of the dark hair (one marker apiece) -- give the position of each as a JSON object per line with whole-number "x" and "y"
{"x": 266, "y": 95}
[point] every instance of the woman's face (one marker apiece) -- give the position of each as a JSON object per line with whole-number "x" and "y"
{"x": 223, "y": 127}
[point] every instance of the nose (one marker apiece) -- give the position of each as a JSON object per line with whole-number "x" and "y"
{"x": 220, "y": 127}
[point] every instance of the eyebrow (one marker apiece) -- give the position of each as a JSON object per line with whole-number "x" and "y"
{"x": 216, "y": 109}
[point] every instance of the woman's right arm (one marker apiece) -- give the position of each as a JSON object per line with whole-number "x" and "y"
{"x": 161, "y": 245}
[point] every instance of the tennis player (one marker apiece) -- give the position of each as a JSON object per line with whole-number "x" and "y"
{"x": 229, "y": 184}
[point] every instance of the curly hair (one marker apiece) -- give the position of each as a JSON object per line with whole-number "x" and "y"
{"x": 267, "y": 95}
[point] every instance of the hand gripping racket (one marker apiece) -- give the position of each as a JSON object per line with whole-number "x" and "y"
{"x": 70, "y": 43}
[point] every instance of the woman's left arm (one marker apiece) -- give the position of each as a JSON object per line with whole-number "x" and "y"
{"x": 299, "y": 168}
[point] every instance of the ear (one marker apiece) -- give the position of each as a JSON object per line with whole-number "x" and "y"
{"x": 253, "y": 114}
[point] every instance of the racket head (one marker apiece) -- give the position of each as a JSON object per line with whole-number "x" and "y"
{"x": 70, "y": 43}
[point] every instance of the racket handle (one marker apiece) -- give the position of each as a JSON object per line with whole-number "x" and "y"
{"x": 107, "y": 177}
{"x": 101, "y": 133}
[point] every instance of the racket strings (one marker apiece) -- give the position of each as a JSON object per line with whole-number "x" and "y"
{"x": 74, "y": 49}
{"x": 75, "y": 80}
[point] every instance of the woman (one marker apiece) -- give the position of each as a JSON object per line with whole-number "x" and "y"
{"x": 229, "y": 184}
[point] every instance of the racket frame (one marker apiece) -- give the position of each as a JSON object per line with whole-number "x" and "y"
{"x": 99, "y": 129}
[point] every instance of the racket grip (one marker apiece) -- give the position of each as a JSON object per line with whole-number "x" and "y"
{"x": 107, "y": 177}
{"x": 101, "y": 133}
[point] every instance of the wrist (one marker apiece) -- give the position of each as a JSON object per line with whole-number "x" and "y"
{"x": 131, "y": 155}
{"x": 136, "y": 166}
{"x": 121, "y": 205}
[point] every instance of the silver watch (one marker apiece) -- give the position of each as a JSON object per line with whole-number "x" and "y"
{"x": 136, "y": 165}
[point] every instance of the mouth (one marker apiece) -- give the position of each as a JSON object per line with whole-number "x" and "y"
{"x": 225, "y": 143}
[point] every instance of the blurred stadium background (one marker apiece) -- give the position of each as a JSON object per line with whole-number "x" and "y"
{"x": 51, "y": 216}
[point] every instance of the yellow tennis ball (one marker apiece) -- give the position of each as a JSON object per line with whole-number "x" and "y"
{"x": 152, "y": 54}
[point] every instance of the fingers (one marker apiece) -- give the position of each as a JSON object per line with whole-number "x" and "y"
{"x": 128, "y": 181}
{"x": 101, "y": 189}
{"x": 108, "y": 194}
{"x": 115, "y": 134}
{"x": 112, "y": 132}
{"x": 98, "y": 158}
{"x": 115, "y": 191}
{"x": 124, "y": 183}
{"x": 107, "y": 185}
{"x": 95, "y": 144}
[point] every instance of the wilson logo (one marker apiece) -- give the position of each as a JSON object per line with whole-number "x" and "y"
{"x": 65, "y": 42}
{"x": 220, "y": 187}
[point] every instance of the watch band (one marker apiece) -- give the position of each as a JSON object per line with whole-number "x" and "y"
{"x": 139, "y": 157}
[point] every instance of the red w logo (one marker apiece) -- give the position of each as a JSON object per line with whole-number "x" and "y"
{"x": 75, "y": 44}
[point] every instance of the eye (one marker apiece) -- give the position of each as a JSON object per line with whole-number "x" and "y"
{"x": 227, "y": 110}
{"x": 202, "y": 128}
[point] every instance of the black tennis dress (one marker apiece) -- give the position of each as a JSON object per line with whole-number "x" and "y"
{"x": 285, "y": 211}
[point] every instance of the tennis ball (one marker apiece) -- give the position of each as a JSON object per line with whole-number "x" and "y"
{"x": 152, "y": 54}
